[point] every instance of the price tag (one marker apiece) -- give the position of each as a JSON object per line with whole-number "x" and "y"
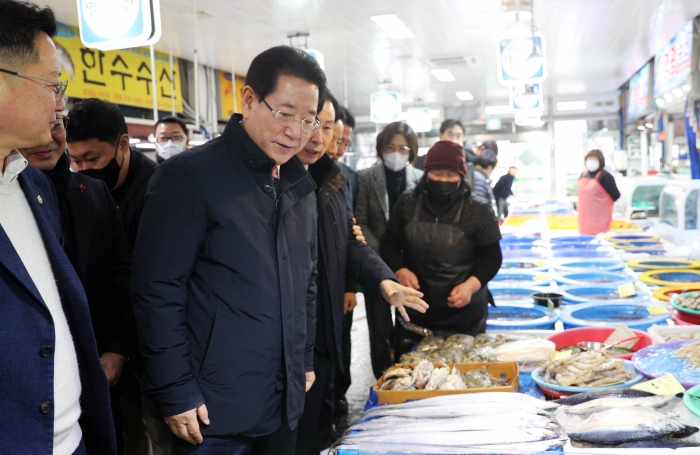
{"x": 561, "y": 355}
{"x": 540, "y": 277}
{"x": 665, "y": 385}
{"x": 540, "y": 263}
{"x": 626, "y": 290}
{"x": 657, "y": 310}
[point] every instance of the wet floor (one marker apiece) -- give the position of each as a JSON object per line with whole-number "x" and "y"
{"x": 361, "y": 366}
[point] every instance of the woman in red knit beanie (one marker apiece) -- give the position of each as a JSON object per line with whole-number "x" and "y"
{"x": 444, "y": 241}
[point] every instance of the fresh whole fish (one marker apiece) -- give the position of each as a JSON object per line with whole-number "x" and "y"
{"x": 450, "y": 411}
{"x": 602, "y": 404}
{"x": 658, "y": 444}
{"x": 469, "y": 423}
{"x": 520, "y": 448}
{"x": 458, "y": 438}
{"x": 622, "y": 425}
{"x": 613, "y": 393}
{"x": 476, "y": 399}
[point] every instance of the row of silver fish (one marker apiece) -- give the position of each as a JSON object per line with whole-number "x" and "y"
{"x": 495, "y": 422}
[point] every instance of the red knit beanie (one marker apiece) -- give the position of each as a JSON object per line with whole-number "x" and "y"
{"x": 446, "y": 155}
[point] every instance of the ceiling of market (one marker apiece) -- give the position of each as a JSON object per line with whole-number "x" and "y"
{"x": 592, "y": 46}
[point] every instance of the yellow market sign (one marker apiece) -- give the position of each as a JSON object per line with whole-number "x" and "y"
{"x": 226, "y": 94}
{"x": 122, "y": 76}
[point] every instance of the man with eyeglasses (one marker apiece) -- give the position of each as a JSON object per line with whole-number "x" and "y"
{"x": 171, "y": 138}
{"x": 338, "y": 251}
{"x": 54, "y": 396}
{"x": 224, "y": 271}
{"x": 96, "y": 244}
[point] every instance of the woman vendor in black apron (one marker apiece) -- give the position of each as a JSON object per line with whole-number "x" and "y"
{"x": 444, "y": 241}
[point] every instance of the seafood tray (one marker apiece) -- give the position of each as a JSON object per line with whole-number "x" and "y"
{"x": 662, "y": 334}
{"x": 505, "y": 370}
{"x": 659, "y": 359}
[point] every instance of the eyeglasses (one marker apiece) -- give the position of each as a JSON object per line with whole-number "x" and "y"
{"x": 175, "y": 138}
{"x": 61, "y": 123}
{"x": 404, "y": 150}
{"x": 59, "y": 88}
{"x": 310, "y": 125}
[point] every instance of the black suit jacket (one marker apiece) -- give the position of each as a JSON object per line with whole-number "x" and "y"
{"x": 99, "y": 250}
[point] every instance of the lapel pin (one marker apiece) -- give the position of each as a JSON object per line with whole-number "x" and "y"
{"x": 39, "y": 199}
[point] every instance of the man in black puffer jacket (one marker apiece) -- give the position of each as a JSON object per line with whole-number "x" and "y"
{"x": 339, "y": 251}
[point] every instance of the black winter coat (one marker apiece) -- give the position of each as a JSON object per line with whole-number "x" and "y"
{"x": 131, "y": 196}
{"x": 339, "y": 253}
{"x": 224, "y": 284}
{"x": 96, "y": 244}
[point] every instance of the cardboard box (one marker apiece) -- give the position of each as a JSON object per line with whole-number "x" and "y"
{"x": 506, "y": 370}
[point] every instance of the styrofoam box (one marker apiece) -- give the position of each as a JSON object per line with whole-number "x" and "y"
{"x": 660, "y": 332}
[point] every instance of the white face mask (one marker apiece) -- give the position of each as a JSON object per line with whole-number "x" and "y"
{"x": 170, "y": 148}
{"x": 395, "y": 161}
{"x": 592, "y": 165}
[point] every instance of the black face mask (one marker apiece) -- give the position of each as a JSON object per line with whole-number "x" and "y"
{"x": 108, "y": 174}
{"x": 441, "y": 191}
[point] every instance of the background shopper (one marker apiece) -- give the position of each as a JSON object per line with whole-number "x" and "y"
{"x": 597, "y": 193}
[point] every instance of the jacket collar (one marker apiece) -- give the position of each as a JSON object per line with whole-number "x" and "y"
{"x": 291, "y": 172}
{"x": 326, "y": 172}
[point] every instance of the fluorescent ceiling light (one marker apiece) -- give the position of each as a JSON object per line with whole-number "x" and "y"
{"x": 668, "y": 97}
{"x": 134, "y": 140}
{"x": 194, "y": 143}
{"x": 498, "y": 110}
{"x": 640, "y": 128}
{"x": 393, "y": 26}
{"x": 464, "y": 96}
{"x": 686, "y": 88}
{"x": 443, "y": 75}
{"x": 511, "y": 16}
{"x": 677, "y": 92}
{"x": 571, "y": 105}
{"x": 660, "y": 102}
{"x": 145, "y": 145}
{"x": 649, "y": 125}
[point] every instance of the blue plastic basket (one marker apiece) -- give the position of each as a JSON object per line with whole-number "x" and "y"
{"x": 515, "y": 239}
{"x": 599, "y": 294}
{"x": 517, "y": 278}
{"x": 506, "y": 317}
{"x": 513, "y": 294}
{"x": 525, "y": 253}
{"x": 582, "y": 253}
{"x": 635, "y": 316}
{"x": 520, "y": 264}
{"x": 590, "y": 265}
{"x": 594, "y": 278}
{"x": 575, "y": 246}
{"x": 572, "y": 239}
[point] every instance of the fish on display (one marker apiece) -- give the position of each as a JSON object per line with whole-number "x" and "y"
{"x": 458, "y": 438}
{"x": 602, "y": 404}
{"x": 508, "y": 398}
{"x": 613, "y": 393}
{"x": 412, "y": 449}
{"x": 658, "y": 444}
{"x": 622, "y": 425}
{"x": 468, "y": 423}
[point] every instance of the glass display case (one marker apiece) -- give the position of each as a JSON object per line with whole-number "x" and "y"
{"x": 679, "y": 208}
{"x": 639, "y": 198}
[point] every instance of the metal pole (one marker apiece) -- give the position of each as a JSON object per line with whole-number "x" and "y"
{"x": 196, "y": 72}
{"x": 154, "y": 88}
{"x": 172, "y": 82}
{"x": 644, "y": 151}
